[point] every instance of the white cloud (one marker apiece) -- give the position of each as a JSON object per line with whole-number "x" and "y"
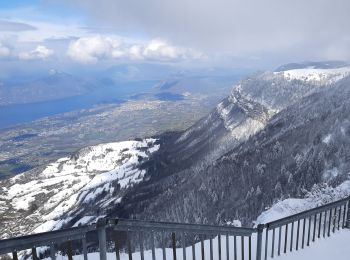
{"x": 160, "y": 50}
{"x": 4, "y": 51}
{"x": 91, "y": 49}
{"x": 40, "y": 52}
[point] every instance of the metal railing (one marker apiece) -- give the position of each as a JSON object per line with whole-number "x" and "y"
{"x": 296, "y": 231}
{"x": 177, "y": 241}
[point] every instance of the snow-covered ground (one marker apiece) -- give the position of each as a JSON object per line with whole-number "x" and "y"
{"x": 315, "y": 75}
{"x": 335, "y": 247}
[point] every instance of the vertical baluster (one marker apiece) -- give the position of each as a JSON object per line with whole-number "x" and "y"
{"x": 14, "y": 255}
{"x": 242, "y": 246}
{"x": 347, "y": 222}
{"x": 202, "y": 248}
{"x": 285, "y": 239}
{"x": 193, "y": 249}
{"x": 211, "y": 249}
{"x": 314, "y": 231}
{"x": 141, "y": 246}
{"x": 34, "y": 254}
{"x": 339, "y": 214}
{"x": 183, "y": 246}
{"x": 329, "y": 222}
{"x": 259, "y": 236}
{"x": 344, "y": 216}
{"x": 163, "y": 245}
{"x": 279, "y": 240}
{"x": 153, "y": 246}
{"x": 227, "y": 247}
{"x": 163, "y": 252}
{"x": 308, "y": 233}
{"x": 102, "y": 238}
{"x": 173, "y": 238}
{"x": 128, "y": 242}
{"x": 266, "y": 241}
{"x": 53, "y": 252}
{"x": 334, "y": 219}
{"x": 325, "y": 224}
{"x": 219, "y": 246}
{"x": 235, "y": 247}
{"x": 303, "y": 238}
{"x": 116, "y": 247}
{"x": 250, "y": 247}
{"x": 319, "y": 225}
{"x": 291, "y": 237}
{"x": 69, "y": 250}
{"x": 297, "y": 242}
{"x": 273, "y": 243}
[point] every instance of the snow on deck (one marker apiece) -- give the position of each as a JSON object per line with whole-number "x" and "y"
{"x": 335, "y": 247}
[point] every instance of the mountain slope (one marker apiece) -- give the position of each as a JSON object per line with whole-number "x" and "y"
{"x": 303, "y": 145}
{"x": 272, "y": 138}
{"x": 250, "y": 105}
{"x": 58, "y": 195}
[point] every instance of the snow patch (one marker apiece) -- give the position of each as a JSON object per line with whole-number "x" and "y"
{"x": 315, "y": 75}
{"x": 327, "y": 139}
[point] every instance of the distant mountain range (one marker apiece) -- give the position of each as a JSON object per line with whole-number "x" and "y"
{"x": 58, "y": 85}
{"x": 278, "y": 135}
{"x": 120, "y": 81}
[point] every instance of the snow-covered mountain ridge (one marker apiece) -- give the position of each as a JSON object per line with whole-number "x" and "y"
{"x": 250, "y": 105}
{"x": 49, "y": 198}
{"x": 315, "y": 75}
{"x": 303, "y": 143}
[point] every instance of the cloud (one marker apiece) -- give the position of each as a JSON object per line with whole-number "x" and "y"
{"x": 4, "y": 51}
{"x": 41, "y": 52}
{"x": 91, "y": 49}
{"x": 11, "y": 26}
{"x": 158, "y": 49}
{"x": 239, "y": 27}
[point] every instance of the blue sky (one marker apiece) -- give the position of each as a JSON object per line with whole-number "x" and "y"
{"x": 237, "y": 33}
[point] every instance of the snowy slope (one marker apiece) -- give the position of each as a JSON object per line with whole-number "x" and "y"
{"x": 45, "y": 200}
{"x": 251, "y": 104}
{"x": 315, "y": 75}
{"x": 319, "y": 195}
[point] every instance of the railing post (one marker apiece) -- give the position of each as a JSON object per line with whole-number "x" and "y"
{"x": 14, "y": 255}
{"x": 260, "y": 229}
{"x": 102, "y": 240}
{"x": 348, "y": 215}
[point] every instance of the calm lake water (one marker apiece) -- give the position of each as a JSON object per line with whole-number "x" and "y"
{"x": 16, "y": 114}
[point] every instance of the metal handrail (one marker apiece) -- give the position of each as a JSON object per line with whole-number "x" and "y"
{"x": 44, "y": 238}
{"x": 137, "y": 225}
{"x": 306, "y": 213}
{"x": 304, "y": 227}
{"x": 338, "y": 213}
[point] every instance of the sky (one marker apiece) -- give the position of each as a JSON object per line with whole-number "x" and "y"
{"x": 67, "y": 34}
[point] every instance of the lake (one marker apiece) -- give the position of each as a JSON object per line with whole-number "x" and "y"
{"x": 12, "y": 115}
